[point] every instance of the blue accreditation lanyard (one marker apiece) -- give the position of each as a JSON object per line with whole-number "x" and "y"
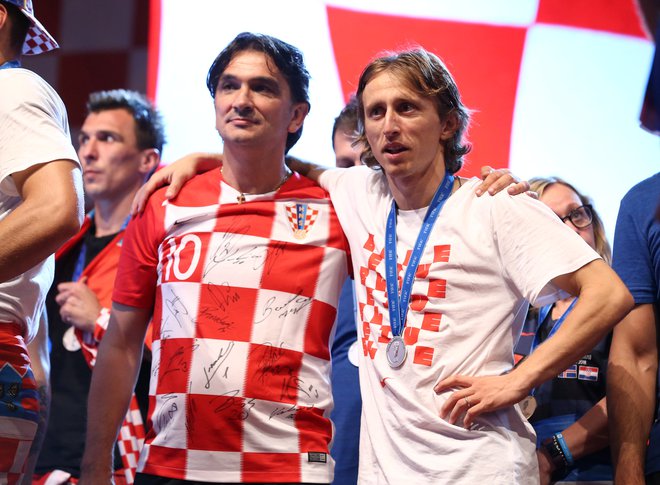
{"x": 398, "y": 305}
{"x": 82, "y": 256}
{"x": 543, "y": 314}
{"x": 10, "y": 65}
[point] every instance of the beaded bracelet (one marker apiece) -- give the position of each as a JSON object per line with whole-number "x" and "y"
{"x": 556, "y": 453}
{"x": 564, "y": 448}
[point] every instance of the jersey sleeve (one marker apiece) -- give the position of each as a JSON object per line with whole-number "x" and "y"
{"x": 535, "y": 247}
{"x": 137, "y": 273}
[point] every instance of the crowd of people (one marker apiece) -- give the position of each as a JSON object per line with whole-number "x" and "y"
{"x": 262, "y": 319}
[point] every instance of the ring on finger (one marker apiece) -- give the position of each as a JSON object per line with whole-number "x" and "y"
{"x": 467, "y": 401}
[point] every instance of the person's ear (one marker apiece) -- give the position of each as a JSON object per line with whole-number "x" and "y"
{"x": 449, "y": 127}
{"x": 149, "y": 160}
{"x": 298, "y": 116}
{"x": 4, "y": 15}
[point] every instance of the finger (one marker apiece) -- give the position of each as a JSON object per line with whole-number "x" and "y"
{"x": 483, "y": 186}
{"x": 83, "y": 280}
{"x": 518, "y": 188}
{"x": 75, "y": 290}
{"x": 62, "y": 297}
{"x": 137, "y": 206}
{"x": 447, "y": 409}
{"x": 157, "y": 180}
{"x": 473, "y": 411}
{"x": 486, "y": 170}
{"x": 64, "y": 314}
{"x": 503, "y": 180}
{"x": 65, "y": 286}
{"x": 452, "y": 383}
{"x": 174, "y": 188}
{"x": 495, "y": 181}
{"x": 461, "y": 407}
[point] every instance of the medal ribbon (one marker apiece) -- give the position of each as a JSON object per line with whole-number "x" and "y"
{"x": 398, "y": 304}
{"x": 543, "y": 314}
{"x": 10, "y": 64}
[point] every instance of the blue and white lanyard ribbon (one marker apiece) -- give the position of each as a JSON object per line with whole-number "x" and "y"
{"x": 543, "y": 314}
{"x": 398, "y": 305}
{"x": 10, "y": 64}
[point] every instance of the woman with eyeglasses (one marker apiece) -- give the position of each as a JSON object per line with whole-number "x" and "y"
{"x": 569, "y": 412}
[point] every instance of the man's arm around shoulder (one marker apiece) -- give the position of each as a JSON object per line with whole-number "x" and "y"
{"x": 50, "y": 213}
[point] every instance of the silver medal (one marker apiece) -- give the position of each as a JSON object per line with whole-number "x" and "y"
{"x": 528, "y": 406}
{"x": 70, "y": 341}
{"x": 396, "y": 352}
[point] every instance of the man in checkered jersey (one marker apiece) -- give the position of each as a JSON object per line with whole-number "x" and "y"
{"x": 241, "y": 274}
{"x": 40, "y": 208}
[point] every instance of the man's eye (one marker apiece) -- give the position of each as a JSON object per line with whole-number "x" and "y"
{"x": 227, "y": 86}
{"x": 406, "y": 107}
{"x": 376, "y": 112}
{"x": 108, "y": 138}
{"x": 264, "y": 88}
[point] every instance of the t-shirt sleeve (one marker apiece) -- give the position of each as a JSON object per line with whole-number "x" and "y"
{"x": 535, "y": 247}
{"x": 631, "y": 257}
{"x": 33, "y": 126}
{"x": 137, "y": 273}
{"x": 331, "y": 179}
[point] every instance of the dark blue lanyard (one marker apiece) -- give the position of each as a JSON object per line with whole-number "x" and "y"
{"x": 80, "y": 262}
{"x": 10, "y": 65}
{"x": 543, "y": 314}
{"x": 398, "y": 305}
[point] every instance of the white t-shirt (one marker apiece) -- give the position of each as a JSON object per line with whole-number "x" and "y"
{"x": 485, "y": 258}
{"x": 33, "y": 130}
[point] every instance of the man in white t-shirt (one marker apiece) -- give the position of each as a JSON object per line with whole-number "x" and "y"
{"x": 40, "y": 208}
{"x": 439, "y": 395}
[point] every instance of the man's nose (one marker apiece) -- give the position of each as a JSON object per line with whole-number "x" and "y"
{"x": 87, "y": 150}
{"x": 390, "y": 124}
{"x": 243, "y": 100}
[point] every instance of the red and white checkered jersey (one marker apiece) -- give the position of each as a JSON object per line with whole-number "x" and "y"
{"x": 244, "y": 299}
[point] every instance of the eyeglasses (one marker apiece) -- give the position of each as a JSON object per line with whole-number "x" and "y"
{"x": 580, "y": 217}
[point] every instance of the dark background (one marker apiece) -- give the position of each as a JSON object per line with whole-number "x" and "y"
{"x": 103, "y": 45}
